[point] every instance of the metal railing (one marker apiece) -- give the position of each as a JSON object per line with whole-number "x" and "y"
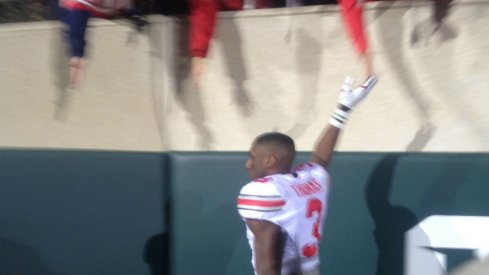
{"x": 12, "y": 11}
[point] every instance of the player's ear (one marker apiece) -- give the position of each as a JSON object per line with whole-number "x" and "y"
{"x": 271, "y": 160}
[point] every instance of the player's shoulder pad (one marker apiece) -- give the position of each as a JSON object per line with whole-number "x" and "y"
{"x": 307, "y": 166}
{"x": 260, "y": 187}
{"x": 311, "y": 168}
{"x": 260, "y": 195}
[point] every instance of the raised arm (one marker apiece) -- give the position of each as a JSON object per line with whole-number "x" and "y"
{"x": 348, "y": 99}
{"x": 202, "y": 19}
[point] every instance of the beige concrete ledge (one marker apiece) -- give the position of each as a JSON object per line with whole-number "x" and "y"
{"x": 274, "y": 69}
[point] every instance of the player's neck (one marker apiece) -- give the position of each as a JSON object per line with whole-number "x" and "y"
{"x": 279, "y": 170}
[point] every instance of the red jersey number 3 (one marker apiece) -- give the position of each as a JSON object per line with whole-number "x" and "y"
{"x": 314, "y": 205}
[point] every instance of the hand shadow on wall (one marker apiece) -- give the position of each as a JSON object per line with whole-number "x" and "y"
{"x": 391, "y": 221}
{"x": 421, "y": 138}
{"x": 233, "y": 55}
{"x": 17, "y": 258}
{"x": 391, "y": 33}
{"x": 156, "y": 254}
{"x": 448, "y": 80}
{"x": 176, "y": 61}
{"x": 155, "y": 36}
{"x": 187, "y": 94}
{"x": 424, "y": 30}
{"x": 392, "y": 40}
{"x": 60, "y": 71}
{"x": 308, "y": 63}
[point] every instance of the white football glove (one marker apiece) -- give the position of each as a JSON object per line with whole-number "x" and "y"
{"x": 349, "y": 98}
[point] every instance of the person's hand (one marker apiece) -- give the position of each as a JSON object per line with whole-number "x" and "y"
{"x": 76, "y": 71}
{"x": 197, "y": 67}
{"x": 368, "y": 60}
{"x": 350, "y": 97}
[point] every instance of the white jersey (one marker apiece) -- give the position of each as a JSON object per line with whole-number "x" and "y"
{"x": 297, "y": 203}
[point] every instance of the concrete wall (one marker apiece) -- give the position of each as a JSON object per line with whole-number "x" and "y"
{"x": 113, "y": 109}
{"x": 267, "y": 70}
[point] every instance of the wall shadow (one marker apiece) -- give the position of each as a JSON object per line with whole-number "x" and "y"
{"x": 440, "y": 197}
{"x": 193, "y": 229}
{"x": 233, "y": 57}
{"x": 187, "y": 94}
{"x": 17, "y": 259}
{"x": 156, "y": 36}
{"x": 173, "y": 63}
{"x": 421, "y": 138}
{"x": 156, "y": 254}
{"x": 306, "y": 59}
{"x": 437, "y": 30}
{"x": 157, "y": 251}
{"x": 424, "y": 30}
{"x": 391, "y": 221}
{"x": 391, "y": 32}
{"x": 60, "y": 73}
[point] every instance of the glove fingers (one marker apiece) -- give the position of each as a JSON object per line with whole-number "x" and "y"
{"x": 363, "y": 90}
{"x": 347, "y": 84}
{"x": 369, "y": 83}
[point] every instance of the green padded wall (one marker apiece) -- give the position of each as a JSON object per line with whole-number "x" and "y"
{"x": 207, "y": 235}
{"x": 81, "y": 212}
{"x": 87, "y": 212}
{"x": 376, "y": 198}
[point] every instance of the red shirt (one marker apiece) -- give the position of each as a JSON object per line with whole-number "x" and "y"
{"x": 352, "y": 13}
{"x": 202, "y": 17}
